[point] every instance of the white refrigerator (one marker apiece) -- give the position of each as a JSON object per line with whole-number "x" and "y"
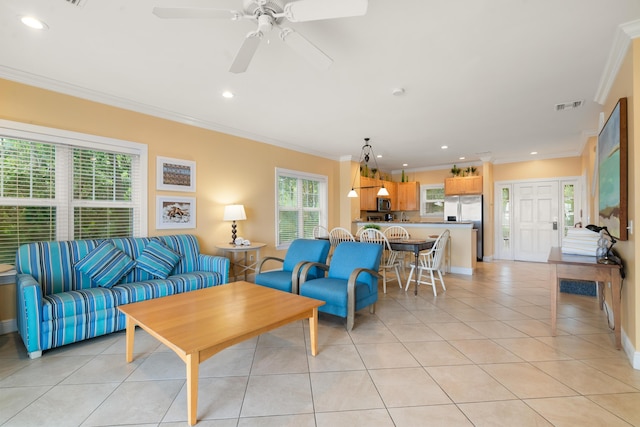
{"x": 466, "y": 208}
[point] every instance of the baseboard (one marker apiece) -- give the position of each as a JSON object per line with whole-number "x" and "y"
{"x": 632, "y": 354}
{"x": 462, "y": 270}
{"x": 7, "y": 326}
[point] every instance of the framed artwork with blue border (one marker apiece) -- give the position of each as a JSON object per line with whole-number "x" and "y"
{"x": 612, "y": 172}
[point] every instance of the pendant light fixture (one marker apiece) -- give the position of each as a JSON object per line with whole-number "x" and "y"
{"x": 365, "y": 155}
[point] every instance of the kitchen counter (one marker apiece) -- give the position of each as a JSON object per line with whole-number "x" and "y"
{"x": 463, "y": 238}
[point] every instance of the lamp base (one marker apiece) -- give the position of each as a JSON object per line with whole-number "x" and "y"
{"x": 233, "y": 233}
{"x": 607, "y": 261}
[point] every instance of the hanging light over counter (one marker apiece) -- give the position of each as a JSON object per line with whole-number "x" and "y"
{"x": 365, "y": 155}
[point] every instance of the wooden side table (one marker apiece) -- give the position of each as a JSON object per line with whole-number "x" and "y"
{"x": 581, "y": 267}
{"x": 241, "y": 264}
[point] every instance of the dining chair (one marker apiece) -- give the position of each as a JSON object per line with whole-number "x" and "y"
{"x": 320, "y": 231}
{"x": 300, "y": 252}
{"x": 351, "y": 282}
{"x": 398, "y": 232}
{"x": 431, "y": 262}
{"x": 389, "y": 256}
{"x": 338, "y": 235}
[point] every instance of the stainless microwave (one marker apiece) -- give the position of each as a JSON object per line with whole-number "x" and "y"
{"x": 384, "y": 205}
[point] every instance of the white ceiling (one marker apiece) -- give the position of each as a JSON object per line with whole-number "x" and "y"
{"x": 481, "y": 76}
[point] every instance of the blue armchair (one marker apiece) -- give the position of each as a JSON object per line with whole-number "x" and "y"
{"x": 352, "y": 281}
{"x": 300, "y": 252}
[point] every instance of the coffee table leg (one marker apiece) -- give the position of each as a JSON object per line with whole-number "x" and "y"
{"x": 313, "y": 331}
{"x": 130, "y": 335}
{"x": 192, "y": 388}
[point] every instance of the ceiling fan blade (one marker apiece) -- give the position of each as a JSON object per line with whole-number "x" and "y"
{"x": 194, "y": 13}
{"x": 245, "y": 53}
{"x": 306, "y": 49}
{"x": 315, "y": 10}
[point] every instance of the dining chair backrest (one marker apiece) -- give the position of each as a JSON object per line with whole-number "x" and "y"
{"x": 439, "y": 247}
{"x": 320, "y": 231}
{"x": 396, "y": 232}
{"x": 338, "y": 235}
{"x": 371, "y": 235}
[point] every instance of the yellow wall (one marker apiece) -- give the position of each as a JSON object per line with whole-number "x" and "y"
{"x": 627, "y": 84}
{"x": 538, "y": 169}
{"x": 229, "y": 169}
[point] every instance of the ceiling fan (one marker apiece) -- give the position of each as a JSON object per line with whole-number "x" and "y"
{"x": 271, "y": 13}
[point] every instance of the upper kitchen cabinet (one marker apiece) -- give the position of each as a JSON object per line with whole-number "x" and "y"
{"x": 463, "y": 185}
{"x": 368, "y": 194}
{"x": 408, "y": 196}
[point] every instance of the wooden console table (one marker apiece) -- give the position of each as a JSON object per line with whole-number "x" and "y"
{"x": 581, "y": 267}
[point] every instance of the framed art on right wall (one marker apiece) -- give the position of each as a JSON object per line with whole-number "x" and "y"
{"x": 612, "y": 172}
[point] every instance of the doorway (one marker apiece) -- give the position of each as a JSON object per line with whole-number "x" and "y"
{"x": 533, "y": 216}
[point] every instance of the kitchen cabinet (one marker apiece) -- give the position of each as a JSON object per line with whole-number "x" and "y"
{"x": 408, "y": 197}
{"x": 392, "y": 188}
{"x": 463, "y": 185}
{"x": 368, "y": 196}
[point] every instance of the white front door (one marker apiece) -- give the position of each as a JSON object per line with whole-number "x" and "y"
{"x": 535, "y": 221}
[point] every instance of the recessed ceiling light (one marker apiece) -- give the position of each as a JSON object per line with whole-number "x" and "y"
{"x": 461, "y": 158}
{"x": 227, "y": 94}
{"x": 379, "y": 156}
{"x": 444, "y": 147}
{"x": 34, "y": 23}
{"x": 398, "y": 91}
{"x": 534, "y": 152}
{"x": 405, "y": 165}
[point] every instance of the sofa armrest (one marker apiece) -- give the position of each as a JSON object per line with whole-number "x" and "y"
{"x": 214, "y": 264}
{"x": 29, "y": 311}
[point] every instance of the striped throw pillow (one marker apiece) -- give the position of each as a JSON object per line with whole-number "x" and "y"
{"x": 157, "y": 259}
{"x": 106, "y": 265}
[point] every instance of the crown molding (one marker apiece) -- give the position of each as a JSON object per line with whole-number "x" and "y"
{"x": 621, "y": 42}
{"x": 130, "y": 105}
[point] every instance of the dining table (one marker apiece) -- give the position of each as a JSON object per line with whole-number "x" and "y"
{"x": 412, "y": 245}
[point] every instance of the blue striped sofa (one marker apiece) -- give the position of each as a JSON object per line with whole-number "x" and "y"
{"x": 58, "y": 303}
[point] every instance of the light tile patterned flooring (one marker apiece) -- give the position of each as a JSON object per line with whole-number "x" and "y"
{"x": 479, "y": 354}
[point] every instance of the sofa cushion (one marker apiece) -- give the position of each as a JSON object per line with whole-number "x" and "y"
{"x": 77, "y": 303}
{"x": 157, "y": 259}
{"x": 106, "y": 264}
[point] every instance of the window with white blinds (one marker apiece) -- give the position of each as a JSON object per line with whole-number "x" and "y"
{"x": 301, "y": 201}
{"x": 66, "y": 190}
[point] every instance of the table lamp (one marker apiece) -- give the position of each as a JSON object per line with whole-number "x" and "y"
{"x": 234, "y": 213}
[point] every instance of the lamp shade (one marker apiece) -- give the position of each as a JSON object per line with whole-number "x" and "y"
{"x": 234, "y": 213}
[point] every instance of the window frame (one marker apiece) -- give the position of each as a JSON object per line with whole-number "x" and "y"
{"x": 67, "y": 140}
{"x": 323, "y": 201}
{"x": 423, "y": 200}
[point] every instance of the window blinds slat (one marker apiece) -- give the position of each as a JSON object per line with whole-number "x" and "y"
{"x": 45, "y": 186}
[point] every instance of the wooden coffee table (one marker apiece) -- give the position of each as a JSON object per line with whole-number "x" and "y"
{"x": 198, "y": 324}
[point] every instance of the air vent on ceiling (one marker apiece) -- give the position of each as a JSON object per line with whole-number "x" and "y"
{"x": 569, "y": 105}
{"x": 78, "y": 3}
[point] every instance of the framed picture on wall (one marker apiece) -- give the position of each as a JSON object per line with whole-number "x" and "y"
{"x": 175, "y": 174}
{"x": 175, "y": 212}
{"x": 612, "y": 172}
